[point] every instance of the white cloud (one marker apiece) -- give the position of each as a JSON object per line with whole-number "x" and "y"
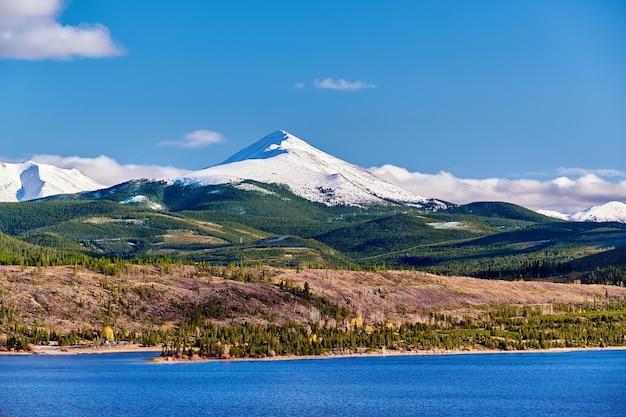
{"x": 299, "y": 85}
{"x": 108, "y": 171}
{"x": 562, "y": 194}
{"x": 29, "y": 30}
{"x": 196, "y": 139}
{"x": 341, "y": 84}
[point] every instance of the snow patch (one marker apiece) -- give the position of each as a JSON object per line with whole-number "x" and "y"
{"x": 447, "y": 225}
{"x": 142, "y": 200}
{"x": 252, "y": 187}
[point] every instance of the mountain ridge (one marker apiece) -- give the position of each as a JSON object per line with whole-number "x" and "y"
{"x": 30, "y": 180}
{"x": 613, "y": 211}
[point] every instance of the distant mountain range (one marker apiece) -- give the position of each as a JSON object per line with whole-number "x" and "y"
{"x": 279, "y": 158}
{"x": 613, "y": 211}
{"x": 281, "y": 202}
{"x": 30, "y": 181}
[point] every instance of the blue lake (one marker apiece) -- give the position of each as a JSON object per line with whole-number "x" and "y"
{"x": 583, "y": 383}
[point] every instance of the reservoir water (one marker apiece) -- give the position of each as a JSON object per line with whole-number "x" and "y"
{"x": 582, "y": 383}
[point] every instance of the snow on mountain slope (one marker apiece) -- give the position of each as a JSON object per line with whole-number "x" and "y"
{"x": 142, "y": 201}
{"x": 29, "y": 180}
{"x": 282, "y": 158}
{"x": 613, "y": 211}
{"x": 554, "y": 214}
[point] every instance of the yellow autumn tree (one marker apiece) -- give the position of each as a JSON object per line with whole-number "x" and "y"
{"x": 108, "y": 334}
{"x": 357, "y": 322}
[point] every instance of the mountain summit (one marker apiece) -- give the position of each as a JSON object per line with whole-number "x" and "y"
{"x": 284, "y": 159}
{"x": 613, "y": 211}
{"x": 30, "y": 180}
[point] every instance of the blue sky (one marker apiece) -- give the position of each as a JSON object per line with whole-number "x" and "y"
{"x": 509, "y": 90}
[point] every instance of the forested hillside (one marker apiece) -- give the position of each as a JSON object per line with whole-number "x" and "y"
{"x": 208, "y": 311}
{"x": 253, "y": 223}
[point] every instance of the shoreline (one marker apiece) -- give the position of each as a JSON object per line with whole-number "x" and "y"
{"x": 385, "y": 353}
{"x": 132, "y": 348}
{"x": 84, "y": 350}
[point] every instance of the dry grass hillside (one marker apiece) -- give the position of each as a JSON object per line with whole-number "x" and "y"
{"x": 142, "y": 297}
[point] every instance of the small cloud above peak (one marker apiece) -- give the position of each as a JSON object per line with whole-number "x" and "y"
{"x": 29, "y": 30}
{"x": 196, "y": 139}
{"x": 341, "y": 84}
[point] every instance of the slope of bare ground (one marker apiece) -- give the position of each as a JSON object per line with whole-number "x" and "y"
{"x": 141, "y": 297}
{"x": 400, "y": 296}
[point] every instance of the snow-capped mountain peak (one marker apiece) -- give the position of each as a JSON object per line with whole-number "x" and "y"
{"x": 282, "y": 158}
{"x": 554, "y": 214}
{"x": 613, "y": 211}
{"x": 271, "y": 145}
{"x": 30, "y": 180}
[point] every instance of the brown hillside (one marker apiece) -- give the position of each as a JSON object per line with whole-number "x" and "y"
{"x": 141, "y": 297}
